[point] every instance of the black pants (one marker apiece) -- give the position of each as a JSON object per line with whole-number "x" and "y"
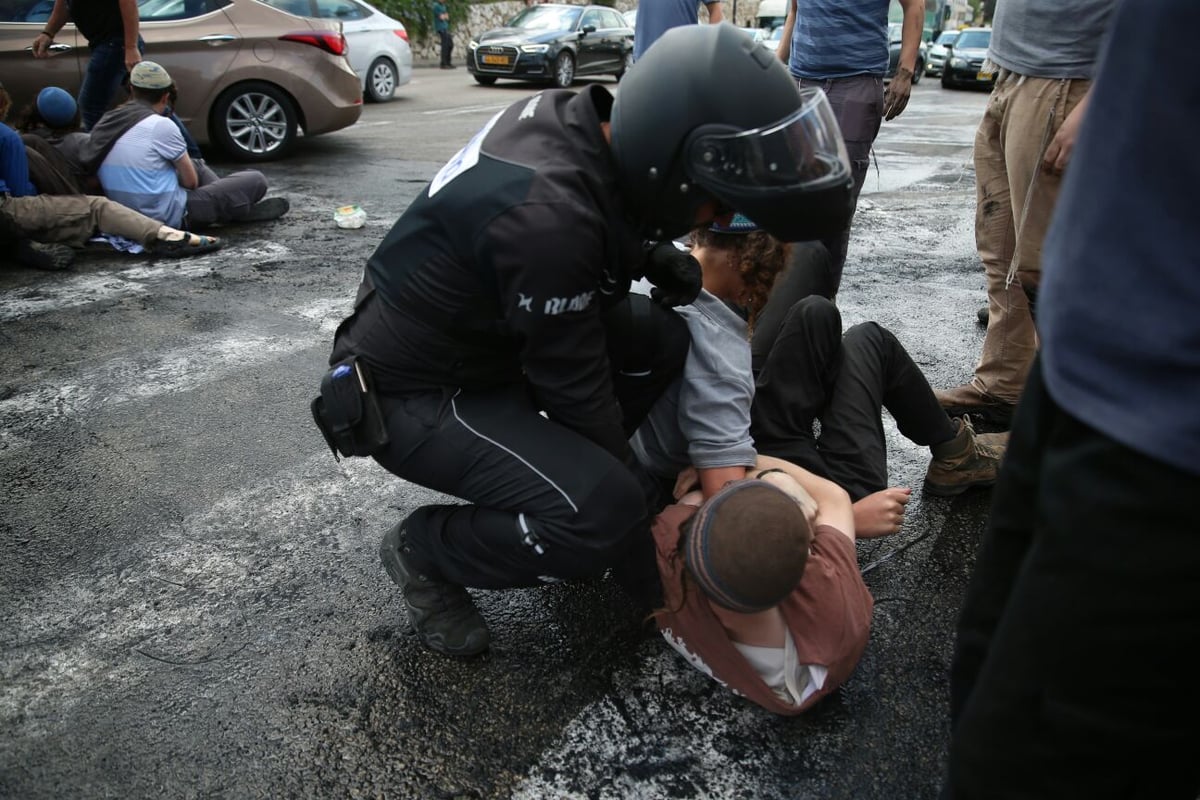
{"x": 1075, "y": 667}
{"x": 543, "y": 501}
{"x": 447, "y": 46}
{"x": 807, "y": 370}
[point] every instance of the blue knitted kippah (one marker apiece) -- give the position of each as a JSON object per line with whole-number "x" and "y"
{"x": 56, "y": 107}
{"x": 739, "y": 224}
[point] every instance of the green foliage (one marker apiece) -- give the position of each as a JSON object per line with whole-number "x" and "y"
{"x": 417, "y": 15}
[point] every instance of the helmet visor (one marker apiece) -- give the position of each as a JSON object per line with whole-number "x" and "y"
{"x": 803, "y": 151}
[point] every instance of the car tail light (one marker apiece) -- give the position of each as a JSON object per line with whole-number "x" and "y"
{"x": 329, "y": 41}
{"x": 403, "y": 34}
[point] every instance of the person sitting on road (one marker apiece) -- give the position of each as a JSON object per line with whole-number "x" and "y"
{"x": 486, "y": 304}
{"x": 143, "y": 163}
{"x": 27, "y": 217}
{"x": 761, "y": 586}
{"x": 50, "y": 127}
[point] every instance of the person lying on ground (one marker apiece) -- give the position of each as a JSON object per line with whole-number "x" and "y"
{"x": 761, "y": 586}
{"x": 807, "y": 371}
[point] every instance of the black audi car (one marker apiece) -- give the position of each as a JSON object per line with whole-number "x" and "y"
{"x": 554, "y": 44}
{"x": 964, "y": 61}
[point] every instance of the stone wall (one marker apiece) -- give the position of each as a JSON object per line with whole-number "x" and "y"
{"x": 485, "y": 16}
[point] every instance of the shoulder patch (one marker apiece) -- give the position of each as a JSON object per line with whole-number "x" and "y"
{"x": 463, "y": 160}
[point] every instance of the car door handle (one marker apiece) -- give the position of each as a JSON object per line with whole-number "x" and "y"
{"x": 54, "y": 48}
{"x": 214, "y": 39}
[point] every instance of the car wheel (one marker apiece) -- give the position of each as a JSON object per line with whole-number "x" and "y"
{"x": 626, "y": 65}
{"x": 564, "y": 70}
{"x": 485, "y": 80}
{"x": 381, "y": 80}
{"x": 254, "y": 121}
{"x": 918, "y": 72}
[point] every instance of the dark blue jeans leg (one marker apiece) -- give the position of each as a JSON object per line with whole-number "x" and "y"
{"x": 1074, "y": 673}
{"x": 102, "y": 79}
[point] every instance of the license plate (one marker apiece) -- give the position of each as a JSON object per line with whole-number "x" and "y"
{"x": 984, "y": 76}
{"x": 500, "y": 61}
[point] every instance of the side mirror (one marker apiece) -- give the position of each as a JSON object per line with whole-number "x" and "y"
{"x": 587, "y": 29}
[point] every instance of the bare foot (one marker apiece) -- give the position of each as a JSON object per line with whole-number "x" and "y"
{"x": 881, "y": 513}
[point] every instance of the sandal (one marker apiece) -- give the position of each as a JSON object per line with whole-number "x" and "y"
{"x": 192, "y": 244}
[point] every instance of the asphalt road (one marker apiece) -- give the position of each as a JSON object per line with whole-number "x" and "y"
{"x": 190, "y": 599}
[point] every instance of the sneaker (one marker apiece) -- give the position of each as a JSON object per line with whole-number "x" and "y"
{"x": 964, "y": 462}
{"x": 443, "y": 615}
{"x": 981, "y": 316}
{"x": 49, "y": 257}
{"x": 966, "y": 399}
{"x": 266, "y": 210}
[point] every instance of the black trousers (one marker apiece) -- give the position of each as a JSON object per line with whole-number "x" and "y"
{"x": 1075, "y": 666}
{"x": 543, "y": 502}
{"x": 807, "y": 371}
{"x": 447, "y": 46}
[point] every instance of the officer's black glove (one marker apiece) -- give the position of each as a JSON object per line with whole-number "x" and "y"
{"x": 674, "y": 273}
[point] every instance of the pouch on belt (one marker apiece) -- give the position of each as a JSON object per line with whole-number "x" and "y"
{"x": 347, "y": 410}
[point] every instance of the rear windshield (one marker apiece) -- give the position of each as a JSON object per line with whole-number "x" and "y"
{"x": 973, "y": 39}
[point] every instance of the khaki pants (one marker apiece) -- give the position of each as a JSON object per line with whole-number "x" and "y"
{"x": 1014, "y": 202}
{"x": 73, "y": 219}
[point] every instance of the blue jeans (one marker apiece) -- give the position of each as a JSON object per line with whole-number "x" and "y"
{"x": 102, "y": 80}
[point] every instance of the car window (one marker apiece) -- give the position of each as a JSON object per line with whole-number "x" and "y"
{"x": 591, "y": 17}
{"x": 154, "y": 10}
{"x": 546, "y": 18}
{"x": 612, "y": 19}
{"x": 25, "y": 10}
{"x": 947, "y": 37}
{"x": 968, "y": 40}
{"x": 341, "y": 9}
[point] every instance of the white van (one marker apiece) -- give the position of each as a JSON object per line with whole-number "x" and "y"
{"x": 772, "y": 13}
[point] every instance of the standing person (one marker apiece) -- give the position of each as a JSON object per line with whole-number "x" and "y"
{"x": 1047, "y": 52}
{"x": 841, "y": 46}
{"x": 656, "y": 17}
{"x": 441, "y": 25}
{"x": 486, "y": 305}
{"x": 146, "y": 165}
{"x": 111, "y": 30}
{"x": 1074, "y": 672}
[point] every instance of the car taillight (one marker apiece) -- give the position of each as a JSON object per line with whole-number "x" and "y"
{"x": 328, "y": 41}
{"x": 403, "y": 34}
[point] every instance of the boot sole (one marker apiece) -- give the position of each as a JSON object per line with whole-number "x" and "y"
{"x": 954, "y": 490}
{"x": 389, "y": 554}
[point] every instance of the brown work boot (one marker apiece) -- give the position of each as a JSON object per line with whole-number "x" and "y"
{"x": 966, "y": 399}
{"x": 964, "y": 462}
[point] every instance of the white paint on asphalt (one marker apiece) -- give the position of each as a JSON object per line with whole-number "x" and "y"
{"x": 81, "y": 289}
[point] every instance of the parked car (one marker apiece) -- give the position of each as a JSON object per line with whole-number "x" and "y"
{"x": 554, "y": 43}
{"x": 250, "y": 76}
{"x": 895, "y": 31}
{"x": 757, "y": 35}
{"x": 938, "y": 52}
{"x": 964, "y": 63}
{"x": 379, "y": 49}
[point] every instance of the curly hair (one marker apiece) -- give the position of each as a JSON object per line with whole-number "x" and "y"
{"x": 758, "y": 257}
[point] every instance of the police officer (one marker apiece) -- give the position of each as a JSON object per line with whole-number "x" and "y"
{"x": 502, "y": 293}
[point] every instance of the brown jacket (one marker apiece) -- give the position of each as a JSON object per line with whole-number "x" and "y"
{"x": 828, "y": 614}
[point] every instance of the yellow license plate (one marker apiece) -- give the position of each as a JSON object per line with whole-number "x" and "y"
{"x": 497, "y": 60}
{"x": 984, "y": 76}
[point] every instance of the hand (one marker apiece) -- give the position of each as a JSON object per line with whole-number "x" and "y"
{"x": 674, "y": 273}
{"x": 880, "y": 514}
{"x": 41, "y": 45}
{"x": 688, "y": 479}
{"x": 132, "y": 57}
{"x": 1063, "y": 143}
{"x": 895, "y": 99}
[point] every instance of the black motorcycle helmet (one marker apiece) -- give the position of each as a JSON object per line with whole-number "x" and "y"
{"x": 708, "y": 114}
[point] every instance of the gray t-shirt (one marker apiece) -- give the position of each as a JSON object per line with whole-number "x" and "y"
{"x": 703, "y": 418}
{"x": 1050, "y": 38}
